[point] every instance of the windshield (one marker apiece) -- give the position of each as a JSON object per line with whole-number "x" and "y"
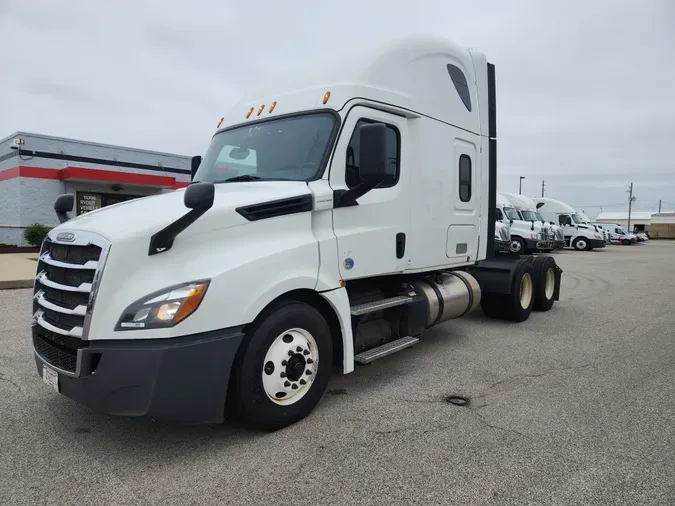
{"x": 529, "y": 216}
{"x": 577, "y": 218}
{"x": 539, "y": 216}
{"x": 291, "y": 149}
{"x": 511, "y": 213}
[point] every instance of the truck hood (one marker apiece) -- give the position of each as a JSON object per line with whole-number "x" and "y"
{"x": 148, "y": 215}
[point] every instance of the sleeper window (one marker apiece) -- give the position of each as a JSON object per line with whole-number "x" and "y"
{"x": 464, "y": 178}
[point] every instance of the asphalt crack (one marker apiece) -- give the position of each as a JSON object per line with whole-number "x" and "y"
{"x": 498, "y": 427}
{"x": 11, "y": 382}
{"x": 547, "y": 372}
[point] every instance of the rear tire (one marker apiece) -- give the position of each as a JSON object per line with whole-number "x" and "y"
{"x": 545, "y": 283}
{"x": 626, "y": 242}
{"x": 269, "y": 391}
{"x": 517, "y": 305}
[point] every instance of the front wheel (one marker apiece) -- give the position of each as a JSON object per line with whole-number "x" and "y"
{"x": 626, "y": 242}
{"x": 517, "y": 245}
{"x": 580, "y": 244}
{"x": 283, "y": 367}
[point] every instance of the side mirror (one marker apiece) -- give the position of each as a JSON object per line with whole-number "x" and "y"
{"x": 373, "y": 153}
{"x": 510, "y": 221}
{"x": 199, "y": 196}
{"x": 63, "y": 205}
{"x": 196, "y": 162}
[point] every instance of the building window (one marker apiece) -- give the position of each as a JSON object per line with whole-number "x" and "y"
{"x": 352, "y": 175}
{"x": 464, "y": 178}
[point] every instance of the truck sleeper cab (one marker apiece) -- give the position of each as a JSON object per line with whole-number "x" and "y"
{"x": 578, "y": 235}
{"x": 328, "y": 225}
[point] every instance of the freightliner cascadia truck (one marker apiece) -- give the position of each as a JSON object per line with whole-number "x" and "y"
{"x": 328, "y": 224}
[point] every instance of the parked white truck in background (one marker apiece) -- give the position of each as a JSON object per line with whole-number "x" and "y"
{"x": 526, "y": 208}
{"x": 577, "y": 235}
{"x": 369, "y": 218}
{"x": 526, "y": 236}
{"x": 618, "y": 234}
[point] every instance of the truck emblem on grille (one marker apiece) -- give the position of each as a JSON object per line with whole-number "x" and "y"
{"x": 66, "y": 237}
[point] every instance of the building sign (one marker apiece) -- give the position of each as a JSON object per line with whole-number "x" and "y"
{"x": 88, "y": 202}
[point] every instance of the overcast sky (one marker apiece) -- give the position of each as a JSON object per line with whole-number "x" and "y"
{"x": 585, "y": 89}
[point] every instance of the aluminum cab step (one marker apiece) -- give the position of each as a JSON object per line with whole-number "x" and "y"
{"x": 371, "y": 307}
{"x": 369, "y": 356}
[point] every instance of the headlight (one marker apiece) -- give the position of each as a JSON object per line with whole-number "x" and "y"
{"x": 164, "y": 308}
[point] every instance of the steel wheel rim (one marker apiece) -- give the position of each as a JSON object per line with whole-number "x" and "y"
{"x": 549, "y": 286}
{"x": 581, "y": 243}
{"x": 515, "y": 246}
{"x": 290, "y": 366}
{"x": 525, "y": 290}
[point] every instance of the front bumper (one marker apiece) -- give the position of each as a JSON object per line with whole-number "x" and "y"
{"x": 541, "y": 245}
{"x": 597, "y": 243}
{"x": 502, "y": 246}
{"x": 184, "y": 379}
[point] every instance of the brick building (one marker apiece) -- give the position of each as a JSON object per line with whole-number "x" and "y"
{"x": 35, "y": 169}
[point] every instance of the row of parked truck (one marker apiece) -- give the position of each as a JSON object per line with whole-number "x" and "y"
{"x": 544, "y": 224}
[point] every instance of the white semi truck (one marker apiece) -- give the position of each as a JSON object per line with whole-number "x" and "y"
{"x": 369, "y": 218}
{"x": 578, "y": 235}
{"x": 527, "y": 211}
{"x": 526, "y": 236}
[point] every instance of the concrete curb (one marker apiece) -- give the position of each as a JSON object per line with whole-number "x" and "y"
{"x": 16, "y": 283}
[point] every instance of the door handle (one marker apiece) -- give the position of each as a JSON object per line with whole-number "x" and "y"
{"x": 400, "y": 245}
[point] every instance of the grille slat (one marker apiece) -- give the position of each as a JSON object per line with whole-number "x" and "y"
{"x": 66, "y": 275}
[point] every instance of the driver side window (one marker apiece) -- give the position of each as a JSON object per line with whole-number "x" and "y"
{"x": 352, "y": 175}
{"x": 499, "y": 216}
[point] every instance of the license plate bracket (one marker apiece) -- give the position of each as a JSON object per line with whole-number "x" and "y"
{"x": 50, "y": 377}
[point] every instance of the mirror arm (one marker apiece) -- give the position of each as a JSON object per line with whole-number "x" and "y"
{"x": 163, "y": 240}
{"x": 347, "y": 198}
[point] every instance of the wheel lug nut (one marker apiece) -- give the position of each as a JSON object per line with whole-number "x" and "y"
{"x": 308, "y": 372}
{"x": 290, "y": 353}
{"x": 310, "y": 361}
{"x": 284, "y": 363}
{"x": 298, "y": 349}
{"x": 294, "y": 386}
{"x": 283, "y": 375}
{"x": 306, "y": 352}
{"x": 287, "y": 384}
{"x": 303, "y": 382}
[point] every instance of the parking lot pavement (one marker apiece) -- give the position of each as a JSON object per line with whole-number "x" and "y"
{"x": 573, "y": 406}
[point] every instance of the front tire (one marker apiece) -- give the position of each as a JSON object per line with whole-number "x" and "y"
{"x": 517, "y": 245}
{"x": 283, "y": 367}
{"x": 626, "y": 242}
{"x": 580, "y": 244}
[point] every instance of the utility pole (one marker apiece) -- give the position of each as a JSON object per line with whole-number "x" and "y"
{"x": 631, "y": 199}
{"x": 543, "y": 185}
{"x": 520, "y": 185}
{"x": 659, "y": 206}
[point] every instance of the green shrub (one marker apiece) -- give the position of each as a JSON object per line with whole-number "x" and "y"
{"x": 36, "y": 233}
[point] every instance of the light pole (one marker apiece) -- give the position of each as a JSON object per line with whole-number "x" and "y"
{"x": 520, "y": 185}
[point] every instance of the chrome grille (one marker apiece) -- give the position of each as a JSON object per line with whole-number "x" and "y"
{"x": 64, "y": 292}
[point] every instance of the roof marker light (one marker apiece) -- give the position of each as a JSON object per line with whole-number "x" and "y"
{"x": 248, "y": 114}
{"x": 274, "y": 104}
{"x": 261, "y": 109}
{"x": 326, "y": 96}
{"x": 220, "y": 122}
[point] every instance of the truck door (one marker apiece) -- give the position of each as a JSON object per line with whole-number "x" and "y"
{"x": 371, "y": 236}
{"x": 462, "y": 234}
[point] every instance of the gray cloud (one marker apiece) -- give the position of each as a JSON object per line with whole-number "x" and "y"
{"x": 584, "y": 88}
